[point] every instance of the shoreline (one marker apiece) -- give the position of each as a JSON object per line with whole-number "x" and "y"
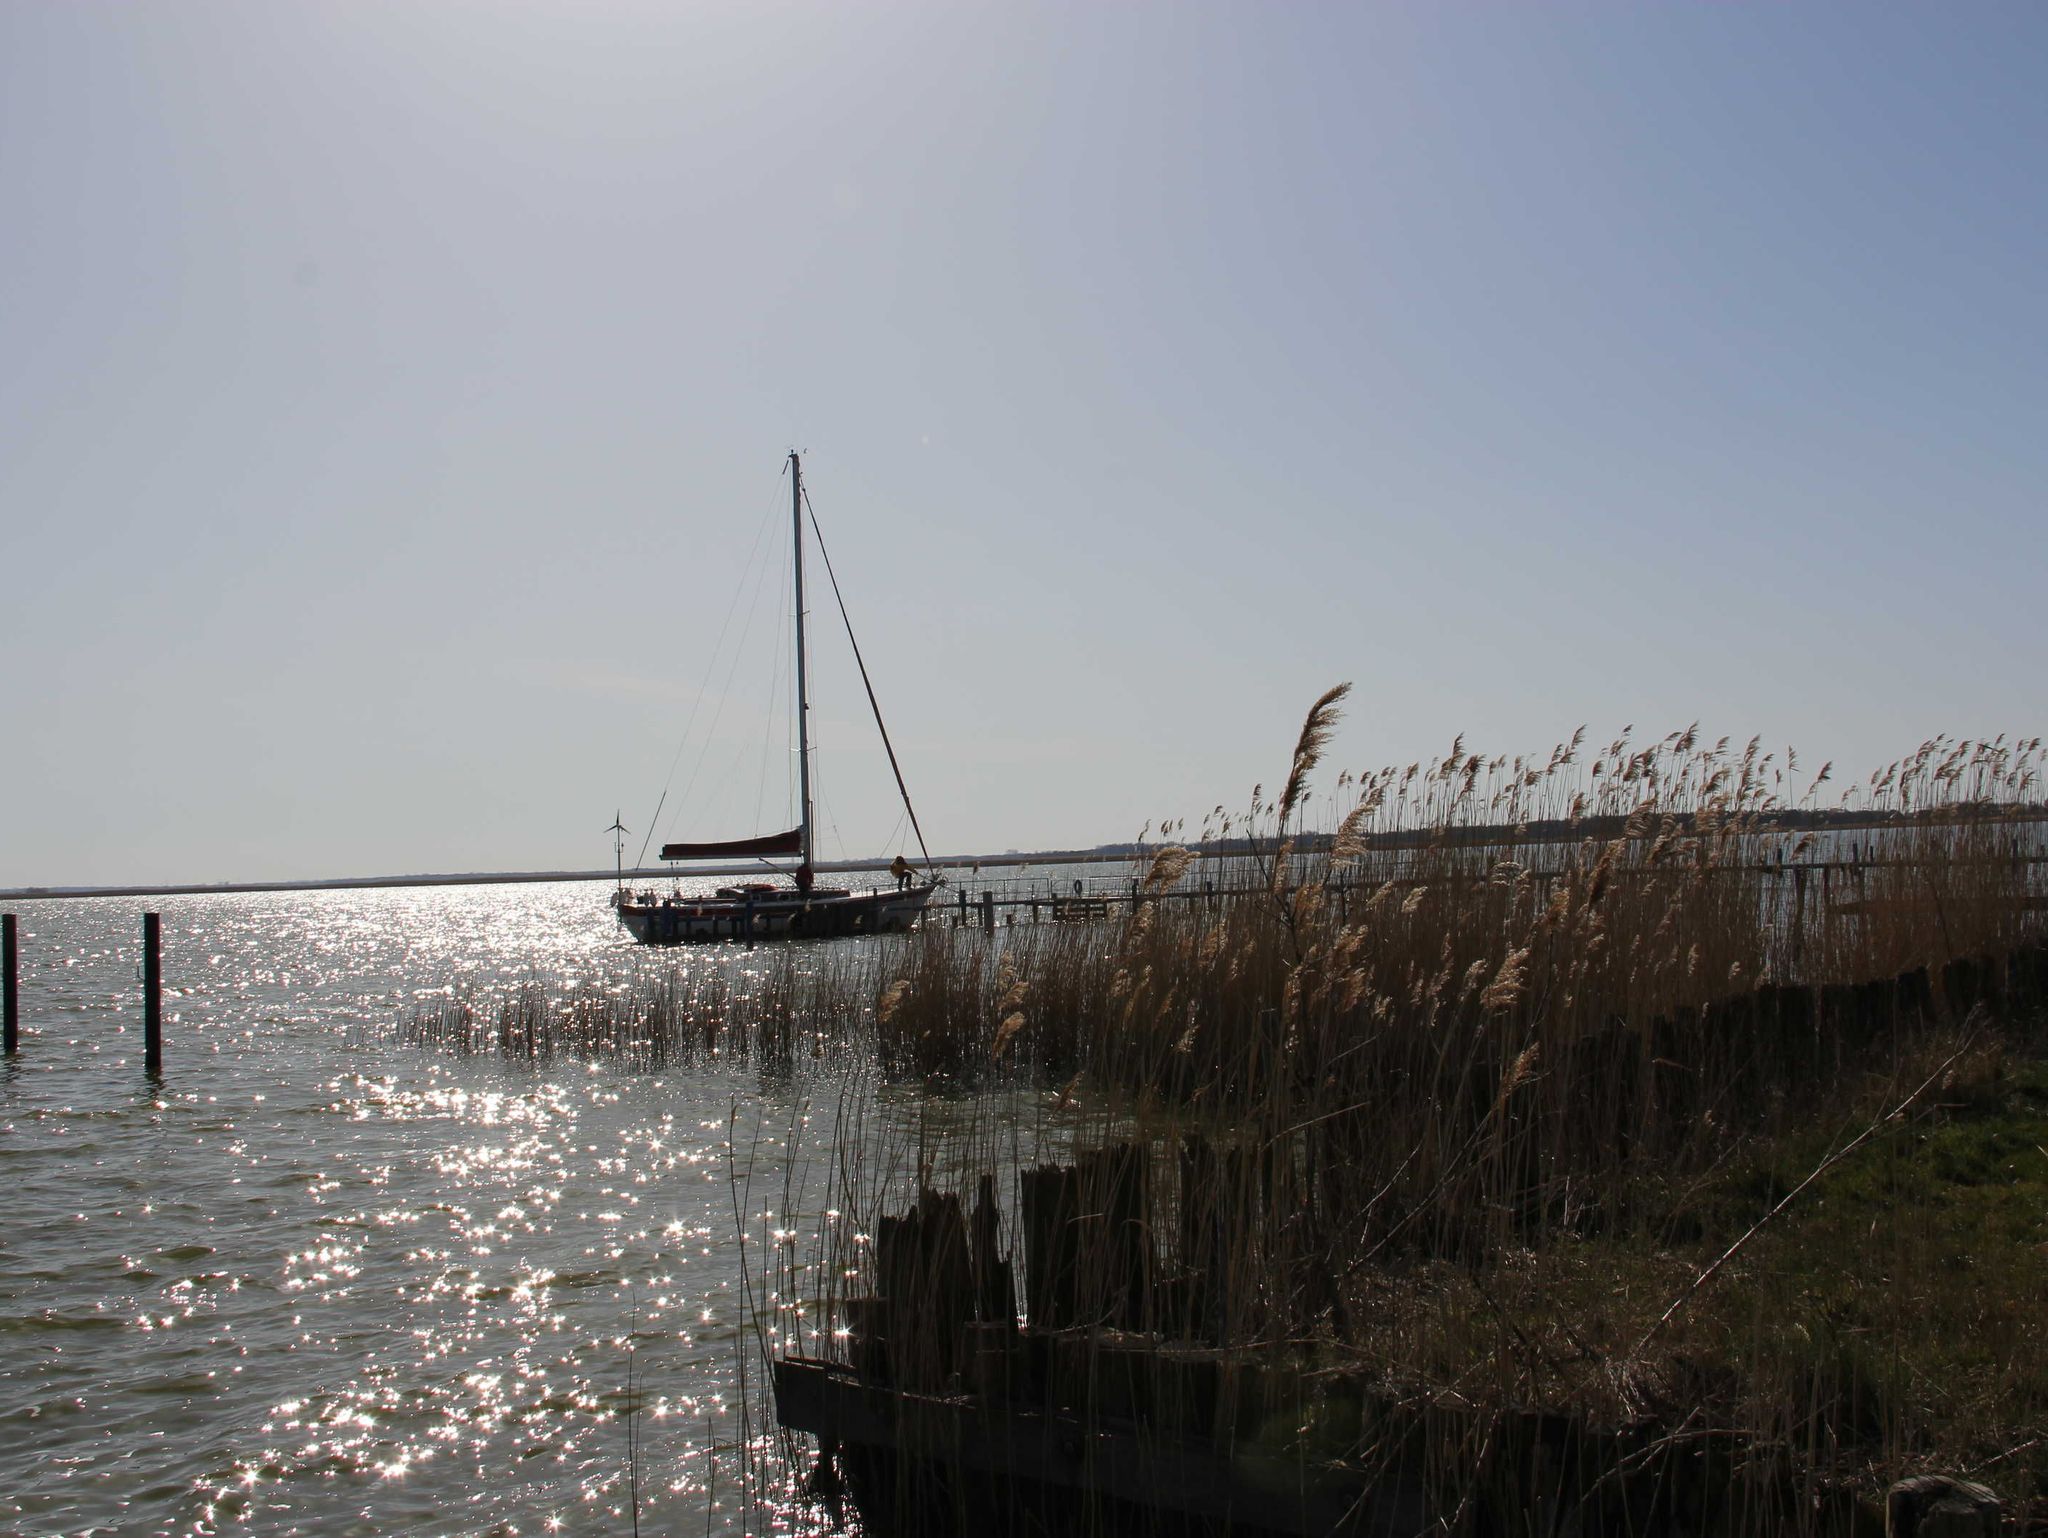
{"x": 1598, "y": 828}
{"x": 535, "y": 877}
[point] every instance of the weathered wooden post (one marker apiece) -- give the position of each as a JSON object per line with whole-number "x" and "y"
{"x": 1798, "y": 912}
{"x": 1931, "y": 1506}
{"x": 152, "y": 993}
{"x": 750, "y": 921}
{"x": 10, "y": 1002}
{"x": 988, "y": 912}
{"x": 963, "y": 908}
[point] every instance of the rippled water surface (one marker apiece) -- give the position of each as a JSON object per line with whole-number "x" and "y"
{"x": 317, "y": 1281}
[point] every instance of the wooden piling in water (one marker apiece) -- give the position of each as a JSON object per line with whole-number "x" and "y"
{"x": 988, "y": 912}
{"x": 995, "y": 1291}
{"x": 152, "y": 993}
{"x": 10, "y": 1002}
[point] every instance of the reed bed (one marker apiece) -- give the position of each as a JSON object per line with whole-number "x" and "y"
{"x": 1507, "y": 1122}
{"x": 1623, "y": 1086}
{"x": 785, "y": 1008}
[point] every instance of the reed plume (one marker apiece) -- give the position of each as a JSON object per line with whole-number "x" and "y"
{"x": 1309, "y": 747}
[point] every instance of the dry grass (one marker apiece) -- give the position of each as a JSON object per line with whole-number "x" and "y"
{"x": 788, "y": 1006}
{"x": 1467, "y": 1093}
{"x": 1466, "y": 1107}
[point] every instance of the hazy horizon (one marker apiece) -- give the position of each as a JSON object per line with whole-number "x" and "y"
{"x": 395, "y": 398}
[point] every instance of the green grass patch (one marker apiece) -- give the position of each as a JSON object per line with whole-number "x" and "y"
{"x": 1892, "y": 1319}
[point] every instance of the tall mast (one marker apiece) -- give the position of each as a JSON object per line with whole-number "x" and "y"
{"x": 803, "y": 698}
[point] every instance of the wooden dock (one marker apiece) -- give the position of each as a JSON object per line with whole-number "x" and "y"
{"x": 1832, "y": 887}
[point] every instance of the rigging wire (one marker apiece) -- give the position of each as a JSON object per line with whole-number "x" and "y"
{"x": 824, "y": 831}
{"x": 873, "y": 703}
{"x": 776, "y": 687}
{"x": 717, "y": 647}
{"x": 724, "y": 694}
{"x": 819, "y": 779}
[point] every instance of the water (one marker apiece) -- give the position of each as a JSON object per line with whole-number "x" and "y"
{"x": 317, "y": 1281}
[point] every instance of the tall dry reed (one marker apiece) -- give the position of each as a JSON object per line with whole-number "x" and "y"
{"x": 1503, "y": 1014}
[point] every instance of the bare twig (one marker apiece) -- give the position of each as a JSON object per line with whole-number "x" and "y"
{"x": 1820, "y": 1169}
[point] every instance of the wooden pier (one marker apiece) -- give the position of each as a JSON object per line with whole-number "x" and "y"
{"x": 1838, "y": 887}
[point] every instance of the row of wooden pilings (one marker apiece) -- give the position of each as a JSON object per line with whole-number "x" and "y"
{"x": 152, "y": 990}
{"x": 982, "y": 910}
{"x": 1831, "y": 887}
{"x": 1129, "y": 1402}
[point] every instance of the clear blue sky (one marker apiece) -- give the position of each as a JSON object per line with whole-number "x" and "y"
{"x": 391, "y": 395}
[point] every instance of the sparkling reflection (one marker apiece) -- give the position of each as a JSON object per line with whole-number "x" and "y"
{"x": 319, "y": 1281}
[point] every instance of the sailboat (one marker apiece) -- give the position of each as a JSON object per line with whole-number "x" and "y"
{"x": 766, "y": 910}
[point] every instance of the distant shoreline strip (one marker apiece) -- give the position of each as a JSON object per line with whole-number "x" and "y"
{"x": 533, "y": 877}
{"x": 1786, "y": 822}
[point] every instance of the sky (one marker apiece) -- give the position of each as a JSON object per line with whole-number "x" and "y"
{"x": 394, "y": 399}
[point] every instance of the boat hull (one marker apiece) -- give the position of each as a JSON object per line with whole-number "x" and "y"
{"x": 776, "y": 916}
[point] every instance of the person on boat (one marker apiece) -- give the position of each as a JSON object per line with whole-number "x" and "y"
{"x": 805, "y": 876}
{"x": 900, "y": 869}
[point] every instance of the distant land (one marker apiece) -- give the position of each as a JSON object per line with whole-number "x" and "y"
{"x": 1550, "y": 831}
{"x": 513, "y": 877}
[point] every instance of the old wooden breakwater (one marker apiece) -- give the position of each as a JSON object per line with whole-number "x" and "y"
{"x": 1839, "y": 887}
{"x": 1097, "y": 1373}
{"x": 1116, "y": 1409}
{"x": 152, "y": 990}
{"x": 949, "y": 1414}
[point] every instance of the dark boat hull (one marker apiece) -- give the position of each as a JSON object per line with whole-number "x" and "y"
{"x": 782, "y": 915}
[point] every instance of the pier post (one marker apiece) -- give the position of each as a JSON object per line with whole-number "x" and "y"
{"x": 750, "y": 921}
{"x": 1929, "y": 1504}
{"x": 963, "y": 908}
{"x": 152, "y": 993}
{"x": 988, "y": 912}
{"x": 10, "y": 1001}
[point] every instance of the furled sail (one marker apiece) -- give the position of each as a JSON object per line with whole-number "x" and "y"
{"x": 791, "y": 842}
